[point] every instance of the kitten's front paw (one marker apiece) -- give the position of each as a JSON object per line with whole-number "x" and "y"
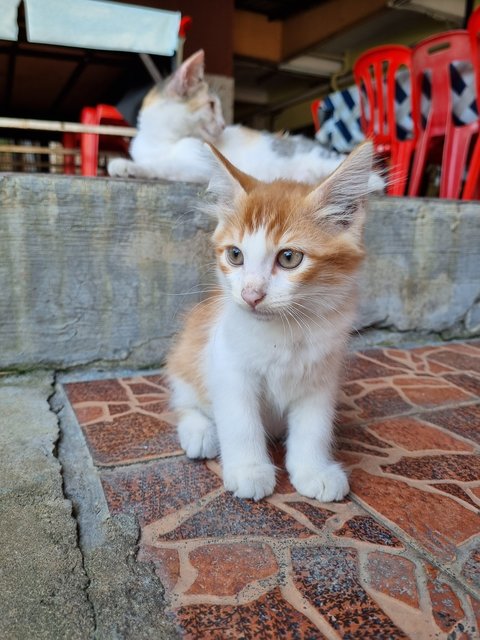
{"x": 326, "y": 484}
{"x": 250, "y": 480}
{"x": 198, "y": 436}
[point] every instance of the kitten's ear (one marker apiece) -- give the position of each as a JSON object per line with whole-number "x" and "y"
{"x": 187, "y": 77}
{"x": 227, "y": 182}
{"x": 340, "y": 199}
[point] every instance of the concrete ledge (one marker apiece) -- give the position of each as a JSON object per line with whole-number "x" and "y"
{"x": 98, "y": 271}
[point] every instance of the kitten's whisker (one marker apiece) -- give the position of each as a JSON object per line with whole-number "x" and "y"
{"x": 317, "y": 315}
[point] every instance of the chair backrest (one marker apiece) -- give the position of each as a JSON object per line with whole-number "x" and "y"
{"x": 431, "y": 78}
{"x": 375, "y": 73}
{"x": 473, "y": 28}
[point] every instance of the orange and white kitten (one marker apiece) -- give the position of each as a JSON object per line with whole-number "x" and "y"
{"x": 262, "y": 358}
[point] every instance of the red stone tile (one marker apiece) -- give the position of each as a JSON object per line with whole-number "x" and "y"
{"x": 359, "y": 434}
{"x": 229, "y": 516}
{"x": 366, "y": 529}
{"x": 165, "y": 561}
{"x": 465, "y": 421}
{"x": 394, "y": 576}
{"x": 456, "y": 359}
{"x": 414, "y": 435}
{"x": 269, "y": 617}
{"x": 226, "y": 569}
{"x": 151, "y": 398}
{"x": 359, "y": 368}
{"x": 381, "y": 402}
{"x": 345, "y": 445}
{"x": 157, "y": 489}
{"x": 158, "y": 408}
{"x": 436, "y": 367}
{"x": 132, "y": 437}
{"x": 89, "y": 413}
{"x": 429, "y": 392}
{"x": 283, "y": 484}
{"x": 391, "y": 358}
{"x": 446, "y": 607}
{"x": 317, "y": 515}
{"x": 143, "y": 388}
{"x": 436, "y": 522}
{"x": 465, "y": 468}
{"x": 470, "y": 347}
{"x": 115, "y": 408}
{"x": 465, "y": 381}
{"x": 329, "y": 578}
{"x": 277, "y": 454}
{"x": 96, "y": 391}
{"x": 347, "y": 458}
{"x": 351, "y": 389}
{"x": 455, "y": 490}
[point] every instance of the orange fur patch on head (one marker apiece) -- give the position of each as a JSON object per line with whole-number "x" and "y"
{"x": 199, "y": 98}
{"x": 279, "y": 209}
{"x": 152, "y": 96}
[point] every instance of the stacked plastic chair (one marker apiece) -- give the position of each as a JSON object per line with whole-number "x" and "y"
{"x": 432, "y": 59}
{"x": 472, "y": 183}
{"x": 375, "y": 74}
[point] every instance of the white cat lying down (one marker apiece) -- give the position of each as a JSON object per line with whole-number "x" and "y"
{"x": 176, "y": 119}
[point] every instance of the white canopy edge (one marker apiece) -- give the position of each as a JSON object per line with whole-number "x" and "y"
{"x": 8, "y": 19}
{"x": 101, "y": 24}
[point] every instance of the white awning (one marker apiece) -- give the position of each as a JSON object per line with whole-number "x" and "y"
{"x": 101, "y": 24}
{"x": 8, "y": 19}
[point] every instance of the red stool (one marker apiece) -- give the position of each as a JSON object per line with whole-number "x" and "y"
{"x": 435, "y": 55}
{"x": 472, "y": 183}
{"x": 375, "y": 73}
{"x": 90, "y": 142}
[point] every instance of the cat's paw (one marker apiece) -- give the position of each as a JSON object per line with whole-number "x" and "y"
{"x": 123, "y": 168}
{"x": 326, "y": 484}
{"x": 253, "y": 481}
{"x": 198, "y": 436}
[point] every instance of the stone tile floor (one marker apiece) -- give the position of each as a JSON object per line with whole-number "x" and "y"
{"x": 399, "y": 558}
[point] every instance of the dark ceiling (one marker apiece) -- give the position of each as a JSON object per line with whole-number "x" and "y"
{"x": 277, "y": 9}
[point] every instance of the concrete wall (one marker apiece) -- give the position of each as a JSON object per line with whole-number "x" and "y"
{"x": 98, "y": 271}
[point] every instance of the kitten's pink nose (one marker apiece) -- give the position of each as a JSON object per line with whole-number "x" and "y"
{"x": 252, "y": 296}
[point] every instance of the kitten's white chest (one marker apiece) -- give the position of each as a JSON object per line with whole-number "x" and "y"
{"x": 284, "y": 363}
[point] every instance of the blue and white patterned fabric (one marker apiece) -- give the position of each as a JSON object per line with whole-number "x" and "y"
{"x": 339, "y": 112}
{"x": 339, "y": 119}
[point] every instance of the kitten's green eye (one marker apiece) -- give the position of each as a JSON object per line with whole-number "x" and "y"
{"x": 289, "y": 258}
{"x": 234, "y": 256}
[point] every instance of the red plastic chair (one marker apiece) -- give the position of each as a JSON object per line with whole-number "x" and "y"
{"x": 435, "y": 55}
{"x": 472, "y": 183}
{"x": 375, "y": 73}
{"x": 314, "y": 107}
{"x": 90, "y": 142}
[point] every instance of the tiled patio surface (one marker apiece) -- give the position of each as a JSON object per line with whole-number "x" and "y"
{"x": 400, "y": 558}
